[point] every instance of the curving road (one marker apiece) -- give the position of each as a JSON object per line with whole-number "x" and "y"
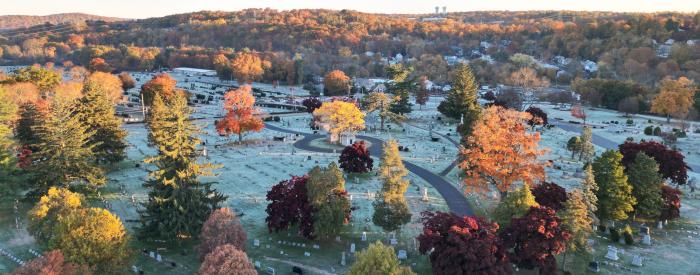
{"x": 453, "y": 196}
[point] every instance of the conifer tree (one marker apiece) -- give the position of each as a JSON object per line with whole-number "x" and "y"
{"x": 589, "y": 190}
{"x": 327, "y": 195}
{"x": 460, "y": 101}
{"x": 576, "y": 220}
{"x": 65, "y": 155}
{"x": 515, "y": 205}
{"x": 587, "y": 150}
{"x": 96, "y": 110}
{"x": 178, "y": 203}
{"x": 400, "y": 87}
{"x": 390, "y": 208}
{"x": 31, "y": 115}
{"x": 8, "y": 110}
{"x": 646, "y": 185}
{"x": 615, "y": 198}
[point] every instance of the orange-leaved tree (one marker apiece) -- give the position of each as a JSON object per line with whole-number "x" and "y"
{"x": 161, "y": 84}
{"x": 247, "y": 67}
{"x": 501, "y": 152}
{"x": 675, "y": 98}
{"x": 338, "y": 117}
{"x": 241, "y": 114}
{"x": 336, "y": 83}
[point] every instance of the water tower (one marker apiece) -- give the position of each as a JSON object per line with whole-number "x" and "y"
{"x": 437, "y": 10}
{"x": 444, "y": 10}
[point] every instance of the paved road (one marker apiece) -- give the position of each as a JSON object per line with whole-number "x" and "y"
{"x": 455, "y": 143}
{"x": 453, "y": 196}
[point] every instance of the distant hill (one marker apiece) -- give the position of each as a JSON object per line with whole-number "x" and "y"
{"x": 23, "y": 21}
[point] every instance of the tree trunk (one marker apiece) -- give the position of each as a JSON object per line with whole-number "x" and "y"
{"x": 668, "y": 118}
{"x": 381, "y": 118}
{"x": 240, "y": 137}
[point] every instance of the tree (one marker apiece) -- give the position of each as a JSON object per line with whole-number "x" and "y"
{"x": 247, "y": 67}
{"x": 98, "y": 64}
{"x": 311, "y": 104}
{"x": 55, "y": 205}
{"x": 574, "y": 145}
{"x": 51, "y": 263}
{"x": 339, "y": 117}
{"x": 44, "y": 78}
{"x": 378, "y": 259}
{"x": 327, "y": 196}
{"x": 289, "y": 206}
{"x": 127, "y": 81}
{"x": 550, "y": 194}
{"x": 614, "y": 195}
{"x": 96, "y": 111}
{"x": 400, "y": 86}
{"x": 355, "y": 158}
{"x": 462, "y": 245}
{"x": 589, "y": 188}
{"x": 65, "y": 155}
{"x": 578, "y": 112}
{"x": 577, "y": 221}
{"x": 646, "y": 185}
{"x": 671, "y": 162}
{"x": 390, "y": 208}
{"x": 527, "y": 79}
{"x": 672, "y": 203}
{"x": 515, "y": 205}
{"x": 227, "y": 260}
{"x": 222, "y": 227}
{"x": 587, "y": 149}
{"x": 501, "y": 152}
{"x": 460, "y": 102}
{"x": 71, "y": 90}
{"x": 381, "y": 103}
{"x": 93, "y": 237}
{"x": 24, "y": 92}
{"x": 629, "y": 105}
{"x": 535, "y": 239}
{"x": 162, "y": 85}
{"x": 539, "y": 117}
{"x": 31, "y": 115}
{"x": 8, "y": 113}
{"x": 240, "y": 114}
{"x": 422, "y": 94}
{"x": 178, "y": 203}
{"x": 675, "y": 98}
{"x": 109, "y": 84}
{"x": 336, "y": 83}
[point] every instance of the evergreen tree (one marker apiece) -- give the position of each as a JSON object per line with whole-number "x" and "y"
{"x": 31, "y": 115}
{"x": 327, "y": 195}
{"x": 589, "y": 189}
{"x": 515, "y": 205}
{"x": 587, "y": 150}
{"x": 178, "y": 203}
{"x": 400, "y": 87}
{"x": 615, "y": 198}
{"x": 8, "y": 110}
{"x": 378, "y": 259}
{"x": 576, "y": 220}
{"x": 574, "y": 145}
{"x": 65, "y": 155}
{"x": 460, "y": 101}
{"x": 96, "y": 111}
{"x": 646, "y": 185}
{"x": 390, "y": 209}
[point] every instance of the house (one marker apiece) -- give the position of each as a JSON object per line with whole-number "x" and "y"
{"x": 589, "y": 66}
{"x": 193, "y": 72}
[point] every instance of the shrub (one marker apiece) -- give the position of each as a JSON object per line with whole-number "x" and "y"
{"x": 630, "y": 121}
{"x": 657, "y": 131}
{"x": 627, "y": 234}
{"x": 649, "y": 130}
{"x": 614, "y": 235}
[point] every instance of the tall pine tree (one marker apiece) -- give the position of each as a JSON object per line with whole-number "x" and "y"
{"x": 327, "y": 195}
{"x": 178, "y": 203}
{"x": 460, "y": 102}
{"x": 65, "y": 155}
{"x": 576, "y": 220}
{"x": 400, "y": 86}
{"x": 96, "y": 111}
{"x": 646, "y": 185}
{"x": 8, "y": 110}
{"x": 615, "y": 198}
{"x": 31, "y": 115}
{"x": 390, "y": 209}
{"x": 589, "y": 190}
{"x": 587, "y": 150}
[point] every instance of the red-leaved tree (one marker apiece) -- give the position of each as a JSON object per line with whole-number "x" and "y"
{"x": 539, "y": 117}
{"x": 225, "y": 260}
{"x": 222, "y": 227}
{"x": 550, "y": 194}
{"x": 672, "y": 203}
{"x": 671, "y": 162}
{"x": 241, "y": 114}
{"x": 578, "y": 112}
{"x": 462, "y": 245}
{"x": 289, "y": 205}
{"x": 355, "y": 158}
{"x": 311, "y": 104}
{"x": 534, "y": 239}
{"x": 51, "y": 263}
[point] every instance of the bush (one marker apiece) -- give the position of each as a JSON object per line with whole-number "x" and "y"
{"x": 602, "y": 228}
{"x": 657, "y": 131}
{"x": 614, "y": 235}
{"x": 681, "y": 134}
{"x": 627, "y": 234}
{"x": 649, "y": 130}
{"x": 630, "y": 121}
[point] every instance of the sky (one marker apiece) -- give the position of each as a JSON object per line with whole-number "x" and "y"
{"x": 155, "y": 8}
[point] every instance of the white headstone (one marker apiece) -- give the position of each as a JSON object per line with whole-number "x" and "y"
{"x": 352, "y": 248}
{"x": 425, "y": 194}
{"x": 257, "y": 264}
{"x": 342, "y": 258}
{"x": 646, "y": 240}
{"x": 152, "y": 254}
{"x": 612, "y": 253}
{"x": 394, "y": 242}
{"x": 637, "y": 260}
{"x": 281, "y": 252}
{"x": 364, "y": 236}
{"x": 402, "y": 255}
{"x": 135, "y": 269}
{"x": 256, "y": 242}
{"x": 307, "y": 254}
{"x": 660, "y": 225}
{"x": 337, "y": 238}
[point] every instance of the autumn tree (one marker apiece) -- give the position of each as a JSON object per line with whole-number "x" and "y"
{"x": 339, "y": 117}
{"x": 390, "y": 208}
{"x": 462, "y": 245}
{"x": 671, "y": 162}
{"x": 577, "y": 111}
{"x": 515, "y": 205}
{"x": 675, "y": 98}
{"x": 336, "y": 83}
{"x": 96, "y": 111}
{"x": 24, "y": 92}
{"x": 226, "y": 260}
{"x": 501, "y": 152}
{"x": 378, "y": 259}
{"x": 672, "y": 203}
{"x": 162, "y": 85}
{"x": 329, "y": 199}
{"x": 51, "y": 263}
{"x": 8, "y": 114}
{"x": 614, "y": 194}
{"x": 355, "y": 158}
{"x": 589, "y": 189}
{"x": 127, "y": 81}
{"x": 539, "y": 117}
{"x": 461, "y": 100}
{"x": 44, "y": 78}
{"x": 241, "y": 114}
{"x": 221, "y": 228}
{"x": 289, "y": 206}
{"x": 578, "y": 222}
{"x": 527, "y": 79}
{"x": 178, "y": 202}
{"x": 247, "y": 67}
{"x": 311, "y": 104}
{"x": 550, "y": 194}
{"x": 646, "y": 185}
{"x": 381, "y": 103}
{"x": 98, "y": 64}
{"x": 70, "y": 90}
{"x": 56, "y": 204}
{"x": 109, "y": 84}
{"x": 535, "y": 239}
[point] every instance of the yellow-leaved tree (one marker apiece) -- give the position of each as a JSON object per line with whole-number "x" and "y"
{"x": 675, "y": 98}
{"x": 339, "y": 117}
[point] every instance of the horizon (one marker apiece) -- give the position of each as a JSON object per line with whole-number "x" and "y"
{"x": 125, "y": 9}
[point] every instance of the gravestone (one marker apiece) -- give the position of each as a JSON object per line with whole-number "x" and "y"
{"x": 612, "y": 253}
{"x": 256, "y": 242}
{"x": 646, "y": 240}
{"x": 152, "y": 254}
{"x": 159, "y": 258}
{"x": 352, "y": 248}
{"x": 364, "y": 236}
{"x": 644, "y": 230}
{"x": 307, "y": 254}
{"x": 281, "y": 252}
{"x": 594, "y": 267}
{"x": 342, "y": 259}
{"x": 637, "y": 260}
{"x": 660, "y": 225}
{"x": 257, "y": 264}
{"x": 134, "y": 269}
{"x": 402, "y": 255}
{"x": 393, "y": 242}
{"x": 270, "y": 270}
{"x": 425, "y": 194}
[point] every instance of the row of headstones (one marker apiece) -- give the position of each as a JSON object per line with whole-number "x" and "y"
{"x": 11, "y": 256}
